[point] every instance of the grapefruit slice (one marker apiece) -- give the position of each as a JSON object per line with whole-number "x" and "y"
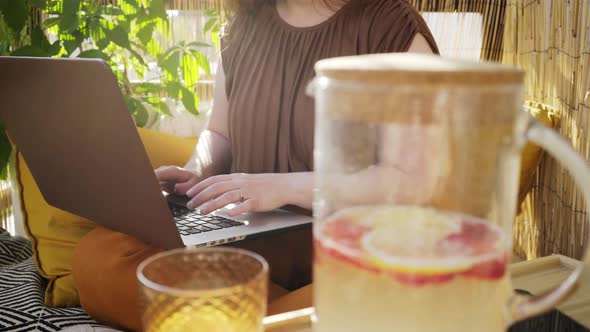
{"x": 415, "y": 245}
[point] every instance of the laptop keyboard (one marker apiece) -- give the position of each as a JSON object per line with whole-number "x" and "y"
{"x": 190, "y": 222}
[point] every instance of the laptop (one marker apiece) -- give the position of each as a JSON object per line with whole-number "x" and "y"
{"x": 70, "y": 122}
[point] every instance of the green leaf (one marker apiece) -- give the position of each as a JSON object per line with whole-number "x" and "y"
{"x": 71, "y": 46}
{"x": 173, "y": 89}
{"x": 52, "y": 5}
{"x": 71, "y": 7}
{"x": 129, "y": 7}
{"x": 118, "y": 36}
{"x": 32, "y": 51}
{"x": 203, "y": 62}
{"x": 69, "y": 23}
{"x": 154, "y": 48}
{"x": 190, "y": 69}
{"x": 125, "y": 24}
{"x": 157, "y": 9}
{"x": 73, "y": 41}
{"x": 130, "y": 3}
{"x": 141, "y": 17}
{"x": 139, "y": 67}
{"x": 130, "y": 101}
{"x": 106, "y": 24}
{"x": 109, "y": 11}
{"x": 145, "y": 33}
{"x": 164, "y": 108}
{"x": 5, "y": 151}
{"x": 103, "y": 43}
{"x": 160, "y": 106}
{"x": 15, "y": 14}
{"x": 210, "y": 24}
{"x": 98, "y": 54}
{"x": 149, "y": 88}
{"x": 93, "y": 27}
{"x": 70, "y": 20}
{"x": 137, "y": 109}
{"x": 48, "y": 23}
{"x": 54, "y": 48}
{"x": 38, "y": 39}
{"x": 190, "y": 100}
{"x": 136, "y": 55}
{"x": 123, "y": 80}
{"x": 198, "y": 44}
{"x": 163, "y": 27}
{"x": 170, "y": 51}
{"x": 78, "y": 35}
{"x": 170, "y": 62}
{"x": 89, "y": 8}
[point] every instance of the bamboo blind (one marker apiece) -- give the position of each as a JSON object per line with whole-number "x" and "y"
{"x": 193, "y": 5}
{"x": 190, "y": 5}
{"x": 551, "y": 40}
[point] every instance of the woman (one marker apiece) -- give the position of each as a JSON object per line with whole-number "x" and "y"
{"x": 257, "y": 150}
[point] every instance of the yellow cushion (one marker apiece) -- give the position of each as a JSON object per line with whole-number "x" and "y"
{"x": 532, "y": 154}
{"x": 54, "y": 232}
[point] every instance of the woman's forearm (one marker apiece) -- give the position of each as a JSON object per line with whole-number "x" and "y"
{"x": 212, "y": 156}
{"x": 299, "y": 189}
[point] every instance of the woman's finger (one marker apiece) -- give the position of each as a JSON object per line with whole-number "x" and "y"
{"x": 172, "y": 174}
{"x": 246, "y": 206}
{"x": 211, "y": 192}
{"x": 182, "y": 188}
{"x": 221, "y": 201}
{"x": 195, "y": 190}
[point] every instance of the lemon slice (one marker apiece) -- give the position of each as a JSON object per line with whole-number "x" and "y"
{"x": 412, "y": 264}
{"x": 410, "y": 240}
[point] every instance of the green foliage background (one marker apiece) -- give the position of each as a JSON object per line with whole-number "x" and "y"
{"x": 122, "y": 35}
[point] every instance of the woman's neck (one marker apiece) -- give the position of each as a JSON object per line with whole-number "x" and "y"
{"x": 305, "y": 13}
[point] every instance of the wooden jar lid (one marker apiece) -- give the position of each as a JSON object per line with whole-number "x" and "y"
{"x": 417, "y": 69}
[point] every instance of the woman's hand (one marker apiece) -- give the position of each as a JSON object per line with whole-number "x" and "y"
{"x": 176, "y": 180}
{"x": 253, "y": 192}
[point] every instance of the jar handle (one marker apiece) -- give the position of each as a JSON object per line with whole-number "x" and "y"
{"x": 521, "y": 307}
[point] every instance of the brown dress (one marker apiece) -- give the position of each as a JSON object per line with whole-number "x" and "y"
{"x": 267, "y": 64}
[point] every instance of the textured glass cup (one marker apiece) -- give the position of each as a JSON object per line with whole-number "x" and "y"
{"x": 216, "y": 289}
